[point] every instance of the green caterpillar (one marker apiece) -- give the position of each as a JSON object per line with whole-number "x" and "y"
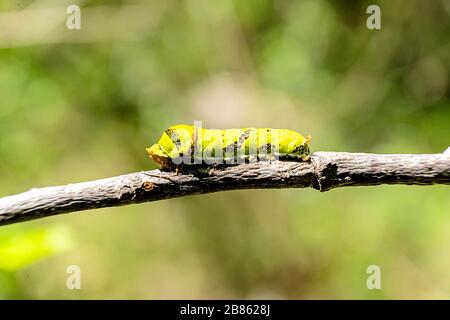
{"x": 188, "y": 145}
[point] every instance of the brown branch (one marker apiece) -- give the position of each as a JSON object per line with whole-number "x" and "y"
{"x": 325, "y": 171}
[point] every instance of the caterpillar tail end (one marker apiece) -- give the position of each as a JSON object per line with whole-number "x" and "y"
{"x": 306, "y": 157}
{"x": 308, "y": 139}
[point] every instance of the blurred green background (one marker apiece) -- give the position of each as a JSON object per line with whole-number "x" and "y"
{"x": 79, "y": 105}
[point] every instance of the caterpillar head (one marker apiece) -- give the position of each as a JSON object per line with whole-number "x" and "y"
{"x": 175, "y": 143}
{"x": 158, "y": 155}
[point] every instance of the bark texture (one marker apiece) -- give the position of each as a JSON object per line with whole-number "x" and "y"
{"x": 325, "y": 171}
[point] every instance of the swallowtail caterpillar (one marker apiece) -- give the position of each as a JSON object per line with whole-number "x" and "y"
{"x": 188, "y": 145}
